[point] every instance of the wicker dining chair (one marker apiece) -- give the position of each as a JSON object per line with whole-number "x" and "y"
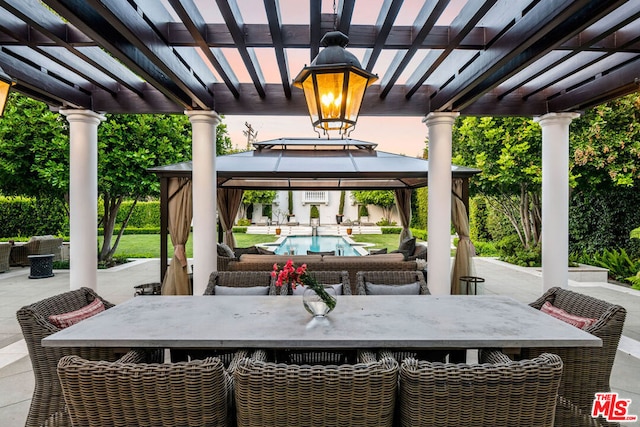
{"x": 47, "y": 404}
{"x": 498, "y": 392}
{"x": 278, "y": 394}
{"x": 586, "y": 369}
{"x": 240, "y": 279}
{"x": 390, "y": 278}
{"x": 138, "y": 391}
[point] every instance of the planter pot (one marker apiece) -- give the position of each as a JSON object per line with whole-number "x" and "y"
{"x": 278, "y": 231}
{"x": 349, "y": 231}
{"x": 339, "y": 218}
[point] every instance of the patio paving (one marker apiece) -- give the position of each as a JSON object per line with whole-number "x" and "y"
{"x": 116, "y": 285}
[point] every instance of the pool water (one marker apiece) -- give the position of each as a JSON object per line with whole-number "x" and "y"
{"x": 299, "y": 245}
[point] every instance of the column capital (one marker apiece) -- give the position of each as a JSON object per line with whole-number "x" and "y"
{"x": 87, "y": 116}
{"x": 440, "y": 118}
{"x": 560, "y": 118}
{"x": 203, "y": 116}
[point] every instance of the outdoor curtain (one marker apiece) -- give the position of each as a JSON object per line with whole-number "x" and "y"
{"x": 463, "y": 263}
{"x": 229, "y": 200}
{"x": 176, "y": 280}
{"x": 403, "y": 200}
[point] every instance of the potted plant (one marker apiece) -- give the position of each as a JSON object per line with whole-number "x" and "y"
{"x": 314, "y": 215}
{"x": 279, "y": 215}
{"x": 348, "y": 223}
{"x": 363, "y": 214}
{"x": 291, "y": 217}
{"x": 340, "y": 213}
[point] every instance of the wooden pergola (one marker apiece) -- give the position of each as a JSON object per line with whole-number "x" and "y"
{"x": 436, "y": 59}
{"x": 516, "y": 57}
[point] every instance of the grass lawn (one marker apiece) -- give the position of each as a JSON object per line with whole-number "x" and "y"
{"x": 148, "y": 245}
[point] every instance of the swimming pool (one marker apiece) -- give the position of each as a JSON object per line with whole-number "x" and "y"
{"x": 299, "y": 245}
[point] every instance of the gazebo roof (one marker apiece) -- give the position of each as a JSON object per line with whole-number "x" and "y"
{"x": 316, "y": 164}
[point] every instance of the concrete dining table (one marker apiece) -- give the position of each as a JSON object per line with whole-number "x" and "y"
{"x": 389, "y": 321}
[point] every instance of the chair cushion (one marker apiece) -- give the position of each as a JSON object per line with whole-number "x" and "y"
{"x": 558, "y": 313}
{"x": 299, "y": 290}
{"x": 65, "y": 320}
{"x": 225, "y": 251}
{"x": 241, "y": 290}
{"x": 408, "y": 289}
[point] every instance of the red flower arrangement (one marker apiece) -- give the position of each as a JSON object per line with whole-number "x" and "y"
{"x": 299, "y": 276}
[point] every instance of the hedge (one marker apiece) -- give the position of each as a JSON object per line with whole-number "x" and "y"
{"x": 22, "y": 216}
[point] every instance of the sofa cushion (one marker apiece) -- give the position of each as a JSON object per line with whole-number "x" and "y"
{"x": 241, "y": 290}
{"x": 558, "y": 313}
{"x": 377, "y": 251}
{"x": 250, "y": 250}
{"x": 64, "y": 320}
{"x": 408, "y": 289}
{"x": 299, "y": 290}
{"x": 367, "y": 258}
{"x": 225, "y": 251}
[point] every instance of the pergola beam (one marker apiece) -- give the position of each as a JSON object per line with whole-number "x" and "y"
{"x": 272, "y": 7}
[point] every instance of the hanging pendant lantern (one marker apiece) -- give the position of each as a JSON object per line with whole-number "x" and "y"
{"x": 5, "y": 87}
{"x": 334, "y": 85}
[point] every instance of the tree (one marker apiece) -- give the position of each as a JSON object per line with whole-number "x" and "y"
{"x": 382, "y": 198}
{"x": 128, "y": 146}
{"x": 34, "y": 147}
{"x": 508, "y": 150}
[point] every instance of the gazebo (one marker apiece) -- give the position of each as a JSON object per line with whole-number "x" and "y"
{"x": 303, "y": 164}
{"x": 436, "y": 59}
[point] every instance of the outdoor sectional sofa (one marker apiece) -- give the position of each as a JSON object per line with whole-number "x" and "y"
{"x": 351, "y": 264}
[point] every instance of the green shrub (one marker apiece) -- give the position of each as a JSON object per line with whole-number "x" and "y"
{"x": 391, "y": 230}
{"x": 363, "y": 211}
{"x": 242, "y": 230}
{"x": 419, "y": 233}
{"x": 314, "y": 212}
{"x": 133, "y": 230}
{"x": 511, "y": 250}
{"x": 478, "y": 214}
{"x": 487, "y": 249}
{"x": 243, "y": 222}
{"x": 144, "y": 215}
{"x": 386, "y": 223}
{"x": 621, "y": 266}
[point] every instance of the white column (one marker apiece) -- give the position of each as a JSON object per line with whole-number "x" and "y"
{"x": 83, "y": 197}
{"x": 555, "y": 198}
{"x": 439, "y": 126}
{"x": 203, "y": 124}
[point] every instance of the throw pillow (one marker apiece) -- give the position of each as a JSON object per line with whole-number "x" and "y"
{"x": 558, "y": 313}
{"x": 65, "y": 320}
{"x": 241, "y": 290}
{"x": 225, "y": 251}
{"x": 299, "y": 290}
{"x": 408, "y": 289}
{"x": 407, "y": 247}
